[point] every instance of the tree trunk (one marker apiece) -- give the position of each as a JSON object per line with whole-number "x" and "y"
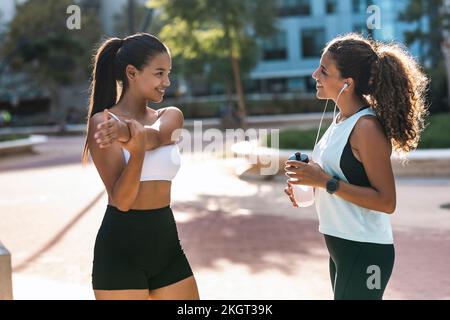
{"x": 131, "y": 16}
{"x": 446, "y": 53}
{"x": 148, "y": 20}
{"x": 445, "y": 46}
{"x": 239, "y": 92}
{"x": 57, "y": 114}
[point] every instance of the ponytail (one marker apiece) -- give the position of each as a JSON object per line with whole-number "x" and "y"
{"x": 398, "y": 96}
{"x": 103, "y": 87}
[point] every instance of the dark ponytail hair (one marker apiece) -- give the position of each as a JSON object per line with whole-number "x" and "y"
{"x": 390, "y": 80}
{"x": 108, "y": 74}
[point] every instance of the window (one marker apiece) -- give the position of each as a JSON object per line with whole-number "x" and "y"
{"x": 313, "y": 41}
{"x": 362, "y": 29}
{"x": 310, "y": 84}
{"x": 276, "y": 85}
{"x": 360, "y": 6}
{"x": 294, "y": 7}
{"x": 296, "y": 84}
{"x": 331, "y": 6}
{"x": 276, "y": 47}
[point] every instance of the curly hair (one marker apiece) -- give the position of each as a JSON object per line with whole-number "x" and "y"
{"x": 390, "y": 80}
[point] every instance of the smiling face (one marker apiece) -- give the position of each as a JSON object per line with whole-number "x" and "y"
{"x": 152, "y": 81}
{"x": 328, "y": 78}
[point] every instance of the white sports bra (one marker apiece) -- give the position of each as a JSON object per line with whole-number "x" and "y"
{"x": 161, "y": 163}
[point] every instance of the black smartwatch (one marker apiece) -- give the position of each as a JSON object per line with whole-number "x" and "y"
{"x": 333, "y": 185}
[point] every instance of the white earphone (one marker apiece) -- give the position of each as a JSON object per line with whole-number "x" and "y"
{"x": 345, "y": 86}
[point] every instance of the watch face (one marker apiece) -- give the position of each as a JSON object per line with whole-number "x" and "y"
{"x": 332, "y": 185}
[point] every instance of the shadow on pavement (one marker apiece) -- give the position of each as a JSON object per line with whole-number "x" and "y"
{"x": 265, "y": 241}
{"x": 58, "y": 236}
{"x": 259, "y": 241}
{"x": 422, "y": 264}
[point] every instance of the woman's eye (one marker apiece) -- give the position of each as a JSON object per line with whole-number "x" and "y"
{"x": 324, "y": 72}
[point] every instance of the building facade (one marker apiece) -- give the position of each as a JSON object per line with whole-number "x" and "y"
{"x": 305, "y": 26}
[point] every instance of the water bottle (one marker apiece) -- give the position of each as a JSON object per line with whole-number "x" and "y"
{"x": 303, "y": 195}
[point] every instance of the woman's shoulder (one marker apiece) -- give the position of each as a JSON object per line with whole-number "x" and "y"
{"x": 368, "y": 124}
{"x": 171, "y": 115}
{"x": 369, "y": 131}
{"x": 170, "y": 122}
{"x": 170, "y": 111}
{"x": 96, "y": 119}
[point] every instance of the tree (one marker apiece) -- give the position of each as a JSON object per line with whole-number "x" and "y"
{"x": 434, "y": 42}
{"x": 218, "y": 32}
{"x": 39, "y": 44}
{"x": 445, "y": 46}
{"x": 132, "y": 15}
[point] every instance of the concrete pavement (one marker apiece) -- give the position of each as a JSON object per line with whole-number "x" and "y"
{"x": 243, "y": 238}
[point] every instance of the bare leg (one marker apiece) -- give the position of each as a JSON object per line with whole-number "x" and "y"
{"x": 121, "y": 294}
{"x": 185, "y": 289}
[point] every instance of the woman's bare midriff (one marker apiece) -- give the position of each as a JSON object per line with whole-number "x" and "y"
{"x": 152, "y": 195}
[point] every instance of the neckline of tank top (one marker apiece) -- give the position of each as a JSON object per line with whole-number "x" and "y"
{"x": 160, "y": 147}
{"x": 359, "y": 110}
{"x": 158, "y": 115}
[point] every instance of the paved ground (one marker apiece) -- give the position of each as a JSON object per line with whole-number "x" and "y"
{"x": 243, "y": 238}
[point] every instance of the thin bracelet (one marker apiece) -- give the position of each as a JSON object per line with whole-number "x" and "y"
{"x": 117, "y": 119}
{"x": 114, "y": 116}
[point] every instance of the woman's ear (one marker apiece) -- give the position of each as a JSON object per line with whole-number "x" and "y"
{"x": 350, "y": 84}
{"x": 130, "y": 72}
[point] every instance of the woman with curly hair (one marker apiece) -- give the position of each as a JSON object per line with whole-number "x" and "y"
{"x": 380, "y": 92}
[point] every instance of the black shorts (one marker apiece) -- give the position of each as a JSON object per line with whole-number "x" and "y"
{"x": 138, "y": 249}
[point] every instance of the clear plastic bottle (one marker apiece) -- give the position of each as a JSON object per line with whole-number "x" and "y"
{"x": 303, "y": 195}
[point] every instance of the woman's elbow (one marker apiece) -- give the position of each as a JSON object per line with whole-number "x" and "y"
{"x": 122, "y": 205}
{"x": 123, "y": 208}
{"x": 390, "y": 207}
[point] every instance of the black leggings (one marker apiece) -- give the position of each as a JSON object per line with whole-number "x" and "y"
{"x": 359, "y": 270}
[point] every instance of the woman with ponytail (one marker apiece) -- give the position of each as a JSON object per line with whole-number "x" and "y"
{"x": 380, "y": 92}
{"x": 137, "y": 252}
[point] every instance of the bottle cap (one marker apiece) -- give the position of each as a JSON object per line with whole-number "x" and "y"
{"x": 300, "y": 157}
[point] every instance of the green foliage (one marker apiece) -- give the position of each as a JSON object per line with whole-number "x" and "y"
{"x": 297, "y": 139}
{"x": 142, "y": 12}
{"x": 209, "y": 33}
{"x": 11, "y": 137}
{"x": 38, "y": 42}
{"x": 438, "y": 87}
{"x": 436, "y": 135}
{"x": 437, "y": 132}
{"x": 430, "y": 44}
{"x": 254, "y": 108}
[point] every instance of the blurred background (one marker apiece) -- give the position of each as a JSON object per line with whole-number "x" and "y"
{"x": 256, "y": 57}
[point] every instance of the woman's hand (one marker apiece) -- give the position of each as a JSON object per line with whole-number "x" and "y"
{"x": 308, "y": 174}
{"x": 289, "y": 192}
{"x": 111, "y": 130}
{"x": 136, "y": 144}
